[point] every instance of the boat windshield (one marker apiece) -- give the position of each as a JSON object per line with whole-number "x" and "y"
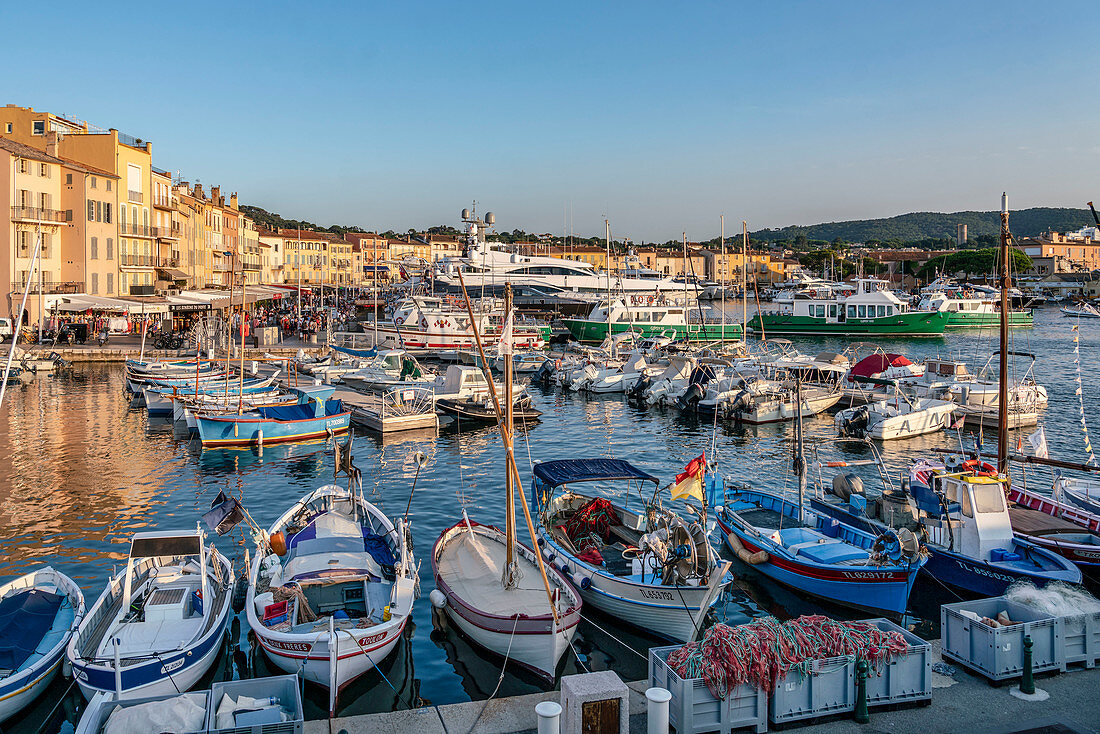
{"x": 988, "y": 497}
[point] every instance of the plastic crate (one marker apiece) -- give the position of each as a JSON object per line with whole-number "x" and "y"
{"x": 828, "y": 687}
{"x": 101, "y": 706}
{"x": 998, "y": 652}
{"x": 283, "y": 687}
{"x": 908, "y": 677}
{"x": 694, "y": 709}
{"x": 1081, "y": 639}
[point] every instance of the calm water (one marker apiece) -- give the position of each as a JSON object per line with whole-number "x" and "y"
{"x": 79, "y": 473}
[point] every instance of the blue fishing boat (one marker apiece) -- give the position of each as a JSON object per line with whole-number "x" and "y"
{"x": 962, "y": 509}
{"x": 644, "y": 566}
{"x": 818, "y": 555}
{"x": 314, "y": 416}
{"x": 160, "y": 623}
{"x": 38, "y": 614}
{"x": 159, "y": 398}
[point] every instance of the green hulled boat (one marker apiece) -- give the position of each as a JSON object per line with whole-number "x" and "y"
{"x": 873, "y": 310}
{"x": 970, "y": 313}
{"x": 695, "y": 323}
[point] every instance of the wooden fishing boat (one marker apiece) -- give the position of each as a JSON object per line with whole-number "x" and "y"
{"x": 38, "y": 614}
{"x": 626, "y": 577}
{"x": 1069, "y": 531}
{"x": 158, "y": 626}
{"x": 314, "y": 416}
{"x": 331, "y": 587}
{"x": 481, "y": 410}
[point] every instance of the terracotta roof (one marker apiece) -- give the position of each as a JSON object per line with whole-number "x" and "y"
{"x": 25, "y": 151}
{"x": 69, "y": 163}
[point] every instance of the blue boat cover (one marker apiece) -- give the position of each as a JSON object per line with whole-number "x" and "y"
{"x": 25, "y": 618}
{"x": 364, "y": 353}
{"x": 298, "y": 412}
{"x": 379, "y": 551}
{"x": 557, "y": 473}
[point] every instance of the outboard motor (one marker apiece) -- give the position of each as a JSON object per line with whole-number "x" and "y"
{"x": 739, "y": 404}
{"x": 691, "y": 397}
{"x": 638, "y": 390}
{"x": 856, "y": 426}
{"x": 701, "y": 375}
{"x": 845, "y": 485}
{"x": 544, "y": 374}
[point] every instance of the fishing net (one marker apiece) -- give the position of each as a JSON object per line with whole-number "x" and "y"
{"x": 1058, "y": 599}
{"x": 594, "y": 517}
{"x": 764, "y": 651}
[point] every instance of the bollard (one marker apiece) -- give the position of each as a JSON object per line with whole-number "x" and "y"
{"x": 549, "y": 717}
{"x": 861, "y": 715}
{"x": 657, "y": 710}
{"x": 1027, "y": 682}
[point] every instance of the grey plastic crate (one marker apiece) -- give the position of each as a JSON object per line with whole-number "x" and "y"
{"x": 100, "y": 708}
{"x": 908, "y": 677}
{"x": 998, "y": 652}
{"x": 1081, "y": 639}
{"x": 828, "y": 687}
{"x": 283, "y": 687}
{"x": 694, "y": 709}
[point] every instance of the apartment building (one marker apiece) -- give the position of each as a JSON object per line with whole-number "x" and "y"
{"x": 1079, "y": 250}
{"x": 88, "y": 241}
{"x": 31, "y": 188}
{"x": 374, "y": 256}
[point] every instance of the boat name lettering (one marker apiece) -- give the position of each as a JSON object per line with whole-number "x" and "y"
{"x": 290, "y": 646}
{"x": 866, "y": 574}
{"x": 986, "y": 572}
{"x": 653, "y": 594}
{"x": 169, "y": 667}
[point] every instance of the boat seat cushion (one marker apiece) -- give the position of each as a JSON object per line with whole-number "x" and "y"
{"x": 25, "y": 618}
{"x": 792, "y": 537}
{"x": 833, "y": 552}
{"x": 741, "y": 506}
{"x": 139, "y": 639}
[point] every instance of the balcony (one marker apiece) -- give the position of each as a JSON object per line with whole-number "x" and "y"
{"x": 136, "y": 261}
{"x": 137, "y": 230}
{"x": 134, "y": 196}
{"x": 166, "y": 202}
{"x": 167, "y": 233}
{"x": 51, "y": 287}
{"x": 252, "y": 266}
{"x": 37, "y": 214}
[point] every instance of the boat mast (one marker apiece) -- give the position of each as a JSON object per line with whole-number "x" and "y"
{"x": 607, "y": 269}
{"x": 510, "y": 568}
{"x": 799, "y": 458}
{"x": 723, "y": 241}
{"x": 240, "y": 383}
{"x": 745, "y": 280}
{"x": 229, "y": 326}
{"x": 1002, "y": 387}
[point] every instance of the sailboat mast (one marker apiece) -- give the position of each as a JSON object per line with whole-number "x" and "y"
{"x": 607, "y": 269}
{"x": 723, "y": 241}
{"x": 510, "y": 498}
{"x": 1002, "y": 388}
{"x": 744, "y": 279}
{"x": 799, "y": 457}
{"x": 685, "y": 236}
{"x": 240, "y": 383}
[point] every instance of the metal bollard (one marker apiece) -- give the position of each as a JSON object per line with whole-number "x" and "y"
{"x": 1027, "y": 682}
{"x": 657, "y": 710}
{"x": 861, "y": 715}
{"x": 549, "y": 714}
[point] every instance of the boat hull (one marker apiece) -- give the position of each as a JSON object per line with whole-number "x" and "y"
{"x": 964, "y": 320}
{"x": 916, "y": 323}
{"x": 594, "y": 332}
{"x": 233, "y": 430}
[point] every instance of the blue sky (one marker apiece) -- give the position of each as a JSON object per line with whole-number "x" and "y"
{"x": 661, "y": 116}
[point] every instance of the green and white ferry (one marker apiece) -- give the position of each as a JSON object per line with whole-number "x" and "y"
{"x": 648, "y": 317}
{"x": 970, "y": 307}
{"x": 872, "y": 310}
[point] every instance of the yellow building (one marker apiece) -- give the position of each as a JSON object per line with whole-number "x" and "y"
{"x": 89, "y": 197}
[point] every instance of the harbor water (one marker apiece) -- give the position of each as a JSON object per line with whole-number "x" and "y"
{"x": 80, "y": 473}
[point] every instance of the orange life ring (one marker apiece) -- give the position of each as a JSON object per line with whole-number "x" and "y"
{"x": 423, "y": 322}
{"x": 981, "y": 469}
{"x": 278, "y": 543}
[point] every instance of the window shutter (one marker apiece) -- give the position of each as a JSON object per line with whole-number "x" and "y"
{"x": 91, "y": 210}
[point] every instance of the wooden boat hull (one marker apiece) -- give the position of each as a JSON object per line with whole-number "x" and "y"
{"x": 246, "y": 430}
{"x": 1085, "y": 555}
{"x": 18, "y": 690}
{"x": 533, "y": 641}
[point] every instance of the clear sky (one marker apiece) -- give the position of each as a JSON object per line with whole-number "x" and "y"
{"x": 661, "y": 116}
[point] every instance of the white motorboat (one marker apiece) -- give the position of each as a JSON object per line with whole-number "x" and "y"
{"x": 900, "y": 416}
{"x": 981, "y": 395}
{"x": 38, "y": 614}
{"x": 757, "y": 400}
{"x": 159, "y": 625}
{"x": 618, "y": 378}
{"x": 390, "y": 367}
{"x": 1081, "y": 311}
{"x": 522, "y": 362}
{"x": 666, "y": 387}
{"x": 331, "y": 587}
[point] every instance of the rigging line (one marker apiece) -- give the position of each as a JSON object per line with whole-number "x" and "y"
{"x": 613, "y": 637}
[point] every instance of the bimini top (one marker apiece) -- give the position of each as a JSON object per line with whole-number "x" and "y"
{"x": 557, "y": 473}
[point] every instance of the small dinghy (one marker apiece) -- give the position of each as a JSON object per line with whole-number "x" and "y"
{"x": 515, "y": 621}
{"x": 38, "y": 614}
{"x": 158, "y": 626}
{"x": 480, "y": 409}
{"x": 331, "y": 587}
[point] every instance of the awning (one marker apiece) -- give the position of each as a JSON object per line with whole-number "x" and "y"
{"x": 376, "y": 268}
{"x": 556, "y": 473}
{"x": 93, "y": 303}
{"x": 174, "y": 274}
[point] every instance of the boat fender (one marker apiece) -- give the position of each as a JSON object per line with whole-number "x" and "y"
{"x": 753, "y": 559}
{"x": 585, "y": 583}
{"x": 564, "y": 568}
{"x": 240, "y": 593}
{"x": 277, "y": 541}
{"x": 437, "y": 598}
{"x": 66, "y": 667}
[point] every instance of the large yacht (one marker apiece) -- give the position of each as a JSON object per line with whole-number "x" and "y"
{"x": 485, "y": 265}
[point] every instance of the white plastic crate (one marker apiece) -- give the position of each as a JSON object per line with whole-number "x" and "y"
{"x": 827, "y": 688}
{"x": 282, "y": 687}
{"x": 908, "y": 677}
{"x": 694, "y": 709}
{"x": 1081, "y": 639}
{"x": 998, "y": 652}
{"x": 102, "y": 705}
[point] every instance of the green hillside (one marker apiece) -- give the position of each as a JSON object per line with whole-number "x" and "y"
{"x": 930, "y": 225}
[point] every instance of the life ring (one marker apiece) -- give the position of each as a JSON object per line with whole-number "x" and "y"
{"x": 423, "y": 323}
{"x": 981, "y": 469}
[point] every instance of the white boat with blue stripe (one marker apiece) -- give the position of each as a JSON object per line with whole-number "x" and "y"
{"x": 160, "y": 623}
{"x": 38, "y": 613}
{"x": 648, "y": 567}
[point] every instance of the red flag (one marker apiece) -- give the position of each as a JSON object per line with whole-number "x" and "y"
{"x": 689, "y": 483}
